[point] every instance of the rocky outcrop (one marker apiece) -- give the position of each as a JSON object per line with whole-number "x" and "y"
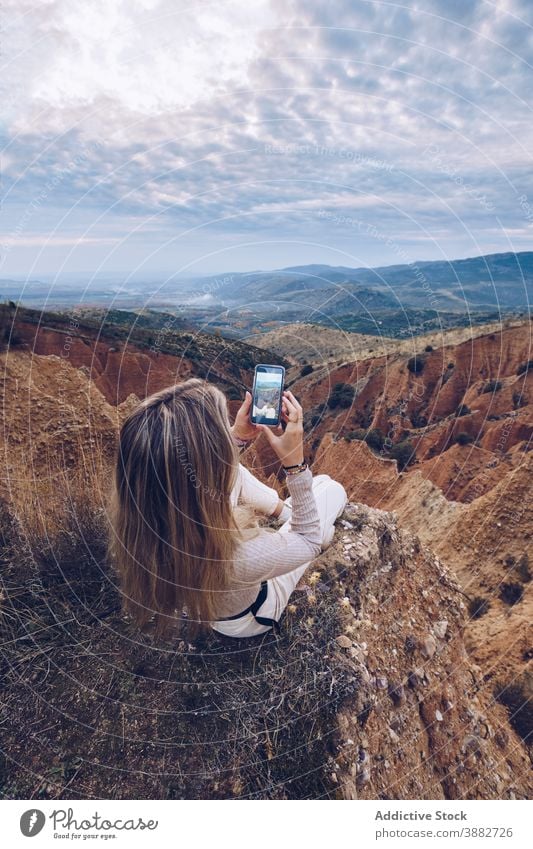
{"x": 424, "y": 723}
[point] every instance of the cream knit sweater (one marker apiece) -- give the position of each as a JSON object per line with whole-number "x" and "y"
{"x": 271, "y": 553}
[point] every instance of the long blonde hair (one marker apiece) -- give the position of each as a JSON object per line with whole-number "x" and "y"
{"x": 174, "y": 529}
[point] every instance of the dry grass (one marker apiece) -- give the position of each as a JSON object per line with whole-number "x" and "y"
{"x": 95, "y": 709}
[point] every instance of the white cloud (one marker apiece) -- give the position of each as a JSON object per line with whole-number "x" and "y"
{"x": 175, "y": 109}
{"x": 114, "y": 57}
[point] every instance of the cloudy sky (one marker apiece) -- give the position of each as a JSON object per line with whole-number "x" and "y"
{"x": 155, "y": 137}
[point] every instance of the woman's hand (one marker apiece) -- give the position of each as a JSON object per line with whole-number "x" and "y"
{"x": 243, "y": 427}
{"x": 288, "y": 443}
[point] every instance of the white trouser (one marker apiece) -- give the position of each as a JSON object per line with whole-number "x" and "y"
{"x": 330, "y": 497}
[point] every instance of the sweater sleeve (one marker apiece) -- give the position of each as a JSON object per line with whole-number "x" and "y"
{"x": 270, "y": 554}
{"x": 253, "y": 491}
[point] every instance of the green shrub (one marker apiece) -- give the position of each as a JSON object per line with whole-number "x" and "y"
{"x": 519, "y": 400}
{"x": 511, "y": 593}
{"x": 311, "y": 419}
{"x": 403, "y": 453}
{"x": 374, "y": 439}
{"x": 418, "y": 420}
{"x": 520, "y": 707}
{"x": 428, "y": 349}
{"x": 342, "y": 395}
{"x": 524, "y": 367}
{"x": 463, "y": 438}
{"x": 462, "y": 410}
{"x": 357, "y": 434}
{"x": 305, "y": 370}
{"x": 478, "y": 607}
{"x": 491, "y": 386}
{"x": 416, "y": 364}
{"x": 522, "y": 568}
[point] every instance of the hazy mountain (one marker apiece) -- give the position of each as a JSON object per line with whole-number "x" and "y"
{"x": 496, "y": 280}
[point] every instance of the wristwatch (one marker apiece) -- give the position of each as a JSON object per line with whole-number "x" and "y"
{"x": 294, "y": 470}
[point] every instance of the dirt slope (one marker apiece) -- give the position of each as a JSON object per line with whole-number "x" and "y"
{"x": 310, "y": 343}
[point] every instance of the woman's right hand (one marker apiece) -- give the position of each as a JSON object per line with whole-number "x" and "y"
{"x": 288, "y": 443}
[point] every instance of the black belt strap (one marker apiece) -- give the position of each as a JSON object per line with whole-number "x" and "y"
{"x": 253, "y": 608}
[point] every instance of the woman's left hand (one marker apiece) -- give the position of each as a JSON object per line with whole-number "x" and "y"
{"x": 243, "y": 427}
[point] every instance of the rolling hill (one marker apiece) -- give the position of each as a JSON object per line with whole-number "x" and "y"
{"x": 502, "y": 281}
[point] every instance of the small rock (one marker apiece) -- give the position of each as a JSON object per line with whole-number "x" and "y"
{"x": 343, "y": 641}
{"x": 363, "y": 776}
{"x": 397, "y": 693}
{"x": 438, "y": 716}
{"x": 429, "y": 646}
{"x": 381, "y": 682}
{"x": 410, "y": 644}
{"x": 472, "y": 744}
{"x": 502, "y": 738}
{"x": 440, "y": 628}
{"x": 363, "y": 756}
{"x": 394, "y": 737}
{"x": 416, "y": 677}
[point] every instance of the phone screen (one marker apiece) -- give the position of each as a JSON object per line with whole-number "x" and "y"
{"x": 266, "y": 395}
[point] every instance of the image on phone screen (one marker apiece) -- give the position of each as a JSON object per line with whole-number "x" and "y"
{"x": 266, "y": 396}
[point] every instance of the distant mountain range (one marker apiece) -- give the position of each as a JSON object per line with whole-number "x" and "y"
{"x": 497, "y": 280}
{"x": 501, "y": 282}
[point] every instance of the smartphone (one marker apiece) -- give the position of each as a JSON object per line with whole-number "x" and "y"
{"x": 266, "y": 395}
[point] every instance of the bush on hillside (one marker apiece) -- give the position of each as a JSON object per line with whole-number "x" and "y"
{"x": 305, "y": 370}
{"x": 416, "y": 364}
{"x": 519, "y": 400}
{"x": 478, "y": 607}
{"x": 404, "y": 454}
{"x": 428, "y": 349}
{"x": 463, "y": 438}
{"x": 357, "y": 434}
{"x": 418, "y": 420}
{"x": 491, "y": 386}
{"x": 520, "y": 707}
{"x": 523, "y": 368}
{"x": 342, "y": 395}
{"x": 522, "y": 568}
{"x": 375, "y": 439}
{"x": 511, "y": 593}
{"x": 462, "y": 410}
